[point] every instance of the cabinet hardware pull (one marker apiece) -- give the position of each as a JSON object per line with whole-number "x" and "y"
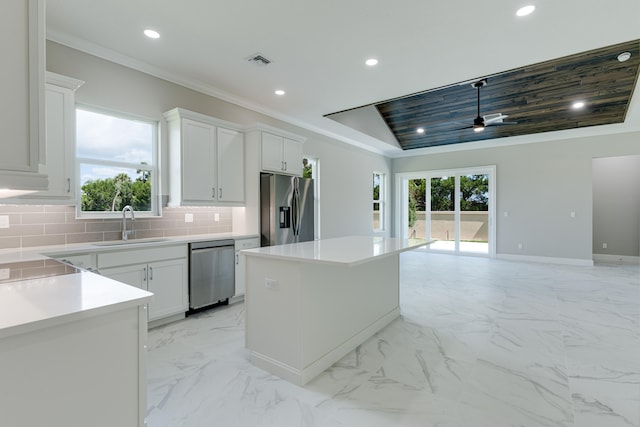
{"x": 144, "y": 279}
{"x": 237, "y": 259}
{"x": 150, "y": 273}
{"x": 68, "y": 185}
{"x": 213, "y": 193}
{"x": 285, "y": 165}
{"x": 220, "y": 193}
{"x": 282, "y": 165}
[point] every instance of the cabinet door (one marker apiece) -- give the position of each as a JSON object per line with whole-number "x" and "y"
{"x": 198, "y": 161}
{"x": 22, "y": 87}
{"x": 168, "y": 282}
{"x": 240, "y": 262}
{"x": 230, "y": 166}
{"x": 19, "y": 113}
{"x": 134, "y": 275}
{"x": 271, "y": 152}
{"x": 59, "y": 142}
{"x": 292, "y": 156}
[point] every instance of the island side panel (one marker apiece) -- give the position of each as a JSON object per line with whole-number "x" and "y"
{"x": 342, "y": 306}
{"x": 76, "y": 373}
{"x": 272, "y": 301}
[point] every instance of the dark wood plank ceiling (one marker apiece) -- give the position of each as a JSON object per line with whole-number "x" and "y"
{"x": 538, "y": 97}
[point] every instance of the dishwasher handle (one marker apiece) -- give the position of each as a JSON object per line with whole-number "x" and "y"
{"x": 203, "y": 246}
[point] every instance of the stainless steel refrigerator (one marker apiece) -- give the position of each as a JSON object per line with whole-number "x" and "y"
{"x": 286, "y": 209}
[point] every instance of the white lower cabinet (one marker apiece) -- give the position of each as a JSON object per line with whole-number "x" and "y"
{"x": 250, "y": 243}
{"x": 161, "y": 270}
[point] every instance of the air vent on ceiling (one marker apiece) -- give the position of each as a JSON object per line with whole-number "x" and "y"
{"x": 259, "y": 59}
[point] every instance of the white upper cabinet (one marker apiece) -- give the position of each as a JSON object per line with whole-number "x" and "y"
{"x": 58, "y": 158}
{"x": 280, "y": 154}
{"x": 206, "y": 160}
{"x": 22, "y": 121}
{"x": 230, "y": 144}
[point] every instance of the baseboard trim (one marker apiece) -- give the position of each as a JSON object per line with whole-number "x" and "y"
{"x": 616, "y": 259}
{"x": 302, "y": 376}
{"x": 547, "y": 260}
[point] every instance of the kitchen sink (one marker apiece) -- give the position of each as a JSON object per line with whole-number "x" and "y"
{"x": 130, "y": 242}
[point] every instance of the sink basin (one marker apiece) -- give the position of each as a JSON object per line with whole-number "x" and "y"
{"x": 130, "y": 242}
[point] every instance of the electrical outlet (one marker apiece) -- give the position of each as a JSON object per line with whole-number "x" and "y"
{"x": 188, "y": 217}
{"x": 5, "y": 273}
{"x": 519, "y": 245}
{"x": 573, "y": 214}
{"x": 216, "y": 217}
{"x": 4, "y": 221}
{"x": 604, "y": 246}
{"x": 506, "y": 213}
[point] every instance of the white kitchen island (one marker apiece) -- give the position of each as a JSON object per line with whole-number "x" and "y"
{"x": 72, "y": 348}
{"x": 308, "y": 304}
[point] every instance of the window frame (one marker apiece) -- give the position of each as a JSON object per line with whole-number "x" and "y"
{"x": 381, "y": 201}
{"x": 154, "y": 168}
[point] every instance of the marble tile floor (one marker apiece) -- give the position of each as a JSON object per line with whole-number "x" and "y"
{"x": 481, "y": 342}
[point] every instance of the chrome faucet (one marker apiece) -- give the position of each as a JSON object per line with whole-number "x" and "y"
{"x": 125, "y": 233}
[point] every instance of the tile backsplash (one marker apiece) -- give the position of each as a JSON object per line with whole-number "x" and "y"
{"x": 41, "y": 225}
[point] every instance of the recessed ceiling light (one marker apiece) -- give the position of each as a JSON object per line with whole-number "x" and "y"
{"x": 526, "y": 10}
{"x": 152, "y": 34}
{"x": 578, "y": 104}
{"x": 371, "y": 62}
{"x": 420, "y": 130}
{"x": 280, "y": 92}
{"x": 624, "y": 56}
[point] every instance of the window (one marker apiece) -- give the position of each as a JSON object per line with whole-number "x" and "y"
{"x": 311, "y": 169}
{"x": 116, "y": 159}
{"x": 378, "y": 201}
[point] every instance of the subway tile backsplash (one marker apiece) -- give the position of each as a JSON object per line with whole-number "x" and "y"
{"x": 40, "y": 225}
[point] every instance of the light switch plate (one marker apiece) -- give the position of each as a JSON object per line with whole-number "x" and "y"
{"x": 217, "y": 217}
{"x": 4, "y": 221}
{"x": 188, "y": 217}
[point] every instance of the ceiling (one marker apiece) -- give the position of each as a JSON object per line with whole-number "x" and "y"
{"x": 528, "y": 100}
{"x": 318, "y": 51}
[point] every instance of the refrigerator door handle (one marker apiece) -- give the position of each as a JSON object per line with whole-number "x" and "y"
{"x": 295, "y": 207}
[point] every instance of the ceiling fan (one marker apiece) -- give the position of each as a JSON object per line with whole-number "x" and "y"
{"x": 481, "y": 122}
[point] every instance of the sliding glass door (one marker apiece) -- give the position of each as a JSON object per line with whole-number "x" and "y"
{"x": 452, "y": 207}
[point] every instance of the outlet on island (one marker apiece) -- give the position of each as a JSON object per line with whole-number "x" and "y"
{"x": 188, "y": 217}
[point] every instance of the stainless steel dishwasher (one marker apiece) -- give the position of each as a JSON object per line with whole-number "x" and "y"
{"x": 211, "y": 272}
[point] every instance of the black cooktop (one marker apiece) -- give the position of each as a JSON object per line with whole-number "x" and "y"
{"x": 16, "y": 271}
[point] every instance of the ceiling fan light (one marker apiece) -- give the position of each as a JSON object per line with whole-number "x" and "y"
{"x": 478, "y": 128}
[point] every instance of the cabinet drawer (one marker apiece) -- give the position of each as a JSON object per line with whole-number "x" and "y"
{"x": 139, "y": 256}
{"x": 253, "y": 242}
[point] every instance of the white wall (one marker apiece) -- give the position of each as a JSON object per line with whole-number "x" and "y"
{"x": 539, "y": 184}
{"x": 616, "y": 205}
{"x": 346, "y": 171}
{"x": 346, "y": 187}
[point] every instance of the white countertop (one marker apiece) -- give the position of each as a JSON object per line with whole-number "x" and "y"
{"x": 32, "y": 304}
{"x": 43, "y": 252}
{"x": 349, "y": 250}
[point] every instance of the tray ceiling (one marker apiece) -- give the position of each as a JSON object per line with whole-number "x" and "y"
{"x": 536, "y": 98}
